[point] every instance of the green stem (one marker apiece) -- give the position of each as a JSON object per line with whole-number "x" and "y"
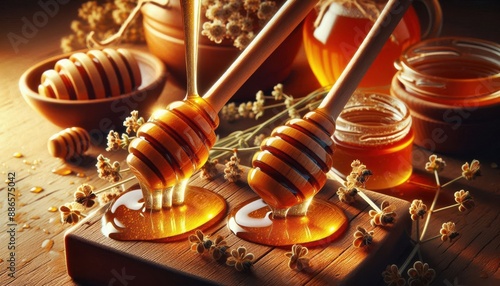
{"x": 417, "y": 226}
{"x": 368, "y": 200}
{"x": 430, "y": 238}
{"x": 416, "y": 248}
{"x": 229, "y": 149}
{"x": 445, "y": 208}
{"x": 454, "y": 180}
{"x": 433, "y": 205}
{"x": 114, "y": 185}
{"x": 124, "y": 170}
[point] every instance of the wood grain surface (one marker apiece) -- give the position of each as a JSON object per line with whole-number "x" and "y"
{"x": 472, "y": 259}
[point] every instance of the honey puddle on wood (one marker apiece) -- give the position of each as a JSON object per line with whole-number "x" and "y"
{"x": 127, "y": 218}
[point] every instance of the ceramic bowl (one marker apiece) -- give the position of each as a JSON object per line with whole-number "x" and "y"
{"x": 99, "y": 115}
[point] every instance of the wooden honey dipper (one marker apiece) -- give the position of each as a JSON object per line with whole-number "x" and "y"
{"x": 292, "y": 164}
{"x": 175, "y": 141}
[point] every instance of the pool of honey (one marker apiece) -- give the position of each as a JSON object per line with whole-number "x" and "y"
{"x": 252, "y": 221}
{"x": 127, "y": 219}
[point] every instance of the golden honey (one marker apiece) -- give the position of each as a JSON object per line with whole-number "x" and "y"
{"x": 452, "y": 87}
{"x": 127, "y": 218}
{"x": 331, "y": 44}
{"x": 375, "y": 129}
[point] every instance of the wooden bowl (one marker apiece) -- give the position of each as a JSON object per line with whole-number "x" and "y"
{"x": 96, "y": 115}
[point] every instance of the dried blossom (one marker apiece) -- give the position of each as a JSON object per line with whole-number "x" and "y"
{"x": 133, "y": 122}
{"x": 417, "y": 209}
{"x": 420, "y": 274}
{"x": 362, "y": 237}
{"x": 359, "y": 174}
{"x": 392, "y": 277}
{"x": 114, "y": 141}
{"x": 215, "y": 30}
{"x": 448, "y": 231}
{"x": 229, "y": 112}
{"x": 199, "y": 242}
{"x": 108, "y": 196}
{"x": 435, "y": 164}
{"x": 232, "y": 171}
{"x": 108, "y": 171}
{"x": 266, "y": 10}
{"x": 277, "y": 92}
{"x": 465, "y": 200}
{"x": 258, "y": 139}
{"x": 219, "y": 248}
{"x": 258, "y": 108}
{"x": 84, "y": 195}
{"x": 71, "y": 212}
{"x": 209, "y": 169}
{"x": 347, "y": 194}
{"x": 385, "y": 216}
{"x": 105, "y": 19}
{"x": 297, "y": 259}
{"x": 240, "y": 259}
{"x": 251, "y": 5}
{"x": 470, "y": 172}
{"x": 232, "y": 20}
{"x": 245, "y": 110}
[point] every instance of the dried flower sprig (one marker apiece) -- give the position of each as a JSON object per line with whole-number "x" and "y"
{"x": 362, "y": 237}
{"x": 421, "y": 273}
{"x": 107, "y": 170}
{"x": 297, "y": 258}
{"x": 85, "y": 196}
{"x": 233, "y": 171}
{"x": 71, "y": 213}
{"x": 386, "y": 216}
{"x": 105, "y": 20}
{"x": 209, "y": 170}
{"x": 199, "y": 242}
{"x": 242, "y": 139}
{"x": 237, "y": 20}
{"x": 238, "y": 258}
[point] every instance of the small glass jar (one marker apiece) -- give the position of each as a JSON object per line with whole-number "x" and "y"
{"x": 375, "y": 129}
{"x": 452, "y": 87}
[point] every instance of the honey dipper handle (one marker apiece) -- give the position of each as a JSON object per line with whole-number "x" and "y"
{"x": 346, "y": 84}
{"x": 288, "y": 17}
{"x": 191, "y": 19}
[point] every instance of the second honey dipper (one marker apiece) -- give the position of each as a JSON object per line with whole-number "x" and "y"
{"x": 292, "y": 164}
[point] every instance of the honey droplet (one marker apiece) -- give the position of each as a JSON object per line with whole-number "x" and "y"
{"x": 47, "y": 244}
{"x": 35, "y": 217}
{"x": 17, "y": 155}
{"x": 26, "y": 226}
{"x": 52, "y": 209}
{"x": 80, "y": 175}
{"x": 63, "y": 171}
{"x": 36, "y": 190}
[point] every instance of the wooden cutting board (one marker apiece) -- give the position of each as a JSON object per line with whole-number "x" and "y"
{"x": 92, "y": 258}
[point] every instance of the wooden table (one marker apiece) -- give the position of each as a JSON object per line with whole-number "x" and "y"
{"x": 472, "y": 259}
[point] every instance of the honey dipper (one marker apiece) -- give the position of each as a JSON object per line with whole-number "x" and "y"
{"x": 292, "y": 163}
{"x": 175, "y": 141}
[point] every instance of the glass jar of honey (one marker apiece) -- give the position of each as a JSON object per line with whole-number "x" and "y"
{"x": 333, "y": 33}
{"x": 375, "y": 129}
{"x": 452, "y": 87}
